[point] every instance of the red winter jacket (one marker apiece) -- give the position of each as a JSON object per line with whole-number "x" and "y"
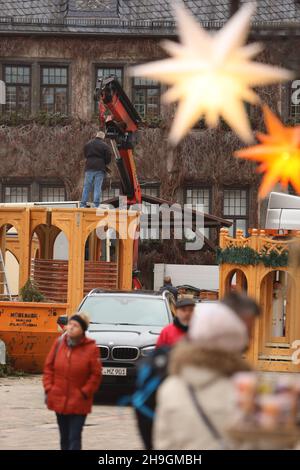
{"x": 71, "y": 376}
{"x": 170, "y": 335}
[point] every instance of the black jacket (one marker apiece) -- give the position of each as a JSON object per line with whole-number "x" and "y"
{"x": 171, "y": 289}
{"x": 97, "y": 154}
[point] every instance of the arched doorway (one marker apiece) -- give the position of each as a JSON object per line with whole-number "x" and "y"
{"x": 10, "y": 252}
{"x": 101, "y": 260}
{"x": 12, "y": 268}
{"x": 277, "y": 291}
{"x": 61, "y": 247}
{"x": 50, "y": 262}
{"x": 236, "y": 280}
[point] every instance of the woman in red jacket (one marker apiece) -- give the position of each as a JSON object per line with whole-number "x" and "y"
{"x": 72, "y": 375}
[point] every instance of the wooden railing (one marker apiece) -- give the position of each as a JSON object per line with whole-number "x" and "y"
{"x": 51, "y": 277}
{"x": 258, "y": 240}
{"x": 100, "y": 274}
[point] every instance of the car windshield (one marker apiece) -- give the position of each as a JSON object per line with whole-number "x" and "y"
{"x": 126, "y": 310}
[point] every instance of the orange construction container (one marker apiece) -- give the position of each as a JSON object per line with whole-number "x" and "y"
{"x": 28, "y": 330}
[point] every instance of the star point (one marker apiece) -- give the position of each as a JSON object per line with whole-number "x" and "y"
{"x": 212, "y": 75}
{"x": 278, "y": 154}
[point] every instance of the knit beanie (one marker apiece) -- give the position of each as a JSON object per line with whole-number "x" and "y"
{"x": 216, "y": 327}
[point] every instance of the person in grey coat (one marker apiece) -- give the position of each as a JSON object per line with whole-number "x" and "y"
{"x": 196, "y": 403}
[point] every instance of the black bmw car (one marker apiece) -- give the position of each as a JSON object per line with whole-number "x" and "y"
{"x": 125, "y": 326}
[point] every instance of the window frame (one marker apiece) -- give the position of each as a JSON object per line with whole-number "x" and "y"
{"x": 51, "y": 85}
{"x": 206, "y": 231}
{"x": 15, "y": 185}
{"x": 51, "y": 186}
{"x": 29, "y": 85}
{"x": 146, "y": 185}
{"x": 234, "y": 218}
{"x": 112, "y": 187}
{"x": 100, "y": 65}
{"x": 146, "y": 234}
{"x": 146, "y": 87}
{"x": 201, "y": 188}
{"x": 109, "y": 66}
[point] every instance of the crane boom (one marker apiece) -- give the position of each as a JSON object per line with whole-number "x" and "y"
{"x": 120, "y": 127}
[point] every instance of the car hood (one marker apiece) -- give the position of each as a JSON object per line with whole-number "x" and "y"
{"x": 124, "y": 335}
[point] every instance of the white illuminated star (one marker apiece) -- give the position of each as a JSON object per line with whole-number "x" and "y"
{"x": 211, "y": 75}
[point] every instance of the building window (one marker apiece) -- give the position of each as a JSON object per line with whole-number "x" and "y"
{"x": 105, "y": 72}
{"x": 149, "y": 210}
{"x": 149, "y": 190}
{"x": 146, "y": 97}
{"x": 199, "y": 199}
{"x": 110, "y": 193}
{"x": 294, "y": 100}
{"x": 17, "y": 79}
{"x": 16, "y": 194}
{"x": 52, "y": 194}
{"x": 236, "y": 209}
{"x": 54, "y": 89}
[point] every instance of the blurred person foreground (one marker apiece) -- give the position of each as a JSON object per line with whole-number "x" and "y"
{"x": 203, "y": 382}
{"x": 199, "y": 393}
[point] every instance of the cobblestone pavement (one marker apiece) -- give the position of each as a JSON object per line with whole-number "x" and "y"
{"x": 26, "y": 424}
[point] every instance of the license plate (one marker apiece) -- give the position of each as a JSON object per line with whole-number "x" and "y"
{"x": 117, "y": 371}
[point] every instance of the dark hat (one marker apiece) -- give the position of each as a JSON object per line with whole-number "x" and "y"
{"x": 83, "y": 322}
{"x": 185, "y": 303}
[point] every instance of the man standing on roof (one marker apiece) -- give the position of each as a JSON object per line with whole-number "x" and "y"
{"x": 172, "y": 333}
{"x": 98, "y": 155}
{"x": 169, "y": 286}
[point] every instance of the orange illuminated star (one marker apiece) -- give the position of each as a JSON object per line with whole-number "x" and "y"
{"x": 278, "y": 154}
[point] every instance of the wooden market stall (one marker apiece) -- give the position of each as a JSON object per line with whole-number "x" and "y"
{"x": 259, "y": 265}
{"x": 96, "y": 251}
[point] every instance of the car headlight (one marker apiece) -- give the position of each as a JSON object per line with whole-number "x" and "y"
{"x": 147, "y": 351}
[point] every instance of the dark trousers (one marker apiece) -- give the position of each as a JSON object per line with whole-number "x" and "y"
{"x": 70, "y": 429}
{"x": 145, "y": 426}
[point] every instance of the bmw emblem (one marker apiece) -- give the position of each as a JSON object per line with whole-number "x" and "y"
{"x": 111, "y": 344}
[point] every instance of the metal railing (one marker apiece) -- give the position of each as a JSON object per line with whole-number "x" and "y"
{"x": 149, "y": 25}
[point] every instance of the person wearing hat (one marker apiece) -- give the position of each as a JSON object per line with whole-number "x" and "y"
{"x": 72, "y": 375}
{"x": 176, "y": 330}
{"x": 196, "y": 403}
{"x": 169, "y": 286}
{"x": 98, "y": 155}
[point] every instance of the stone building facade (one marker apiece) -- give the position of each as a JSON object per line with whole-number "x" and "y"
{"x": 51, "y": 53}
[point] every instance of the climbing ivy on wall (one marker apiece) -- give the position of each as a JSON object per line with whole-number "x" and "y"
{"x": 247, "y": 256}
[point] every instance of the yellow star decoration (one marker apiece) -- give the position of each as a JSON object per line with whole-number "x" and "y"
{"x": 211, "y": 74}
{"x": 278, "y": 153}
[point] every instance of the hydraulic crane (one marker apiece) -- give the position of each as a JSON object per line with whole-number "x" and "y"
{"x": 121, "y": 125}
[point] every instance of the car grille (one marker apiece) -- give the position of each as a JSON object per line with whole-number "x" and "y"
{"x": 123, "y": 353}
{"x": 104, "y": 352}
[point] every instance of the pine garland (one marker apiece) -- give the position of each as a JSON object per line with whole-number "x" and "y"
{"x": 237, "y": 255}
{"x": 247, "y": 256}
{"x": 275, "y": 260}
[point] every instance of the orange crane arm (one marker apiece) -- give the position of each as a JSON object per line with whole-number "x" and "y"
{"x": 120, "y": 127}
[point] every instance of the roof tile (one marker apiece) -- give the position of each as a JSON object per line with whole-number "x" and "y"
{"x": 80, "y": 14}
